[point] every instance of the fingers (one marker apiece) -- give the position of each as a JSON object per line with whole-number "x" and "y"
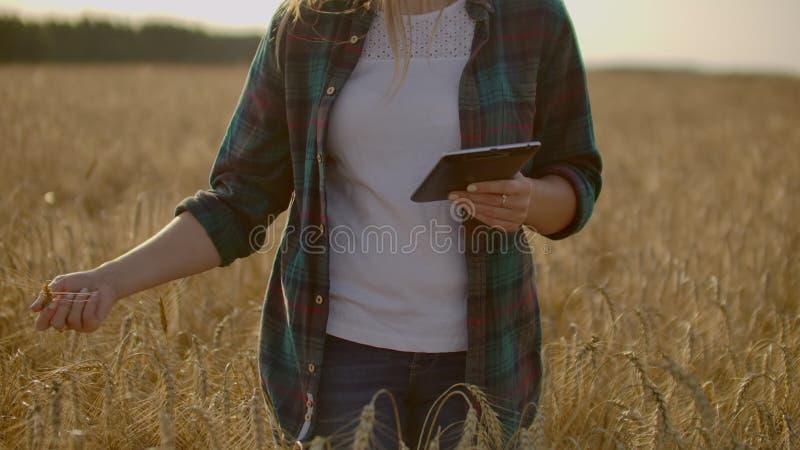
{"x": 514, "y": 186}
{"x": 499, "y": 212}
{"x": 90, "y": 320}
{"x": 61, "y": 306}
{"x": 81, "y": 311}
{"x": 46, "y": 312}
{"x": 36, "y": 306}
{"x": 39, "y": 303}
{"x": 488, "y": 209}
{"x": 64, "y": 305}
{"x": 516, "y": 206}
{"x": 43, "y": 320}
{"x": 74, "y": 320}
{"x": 485, "y": 199}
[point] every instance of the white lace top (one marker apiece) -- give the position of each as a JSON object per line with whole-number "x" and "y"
{"x": 398, "y": 277}
{"x": 454, "y": 25}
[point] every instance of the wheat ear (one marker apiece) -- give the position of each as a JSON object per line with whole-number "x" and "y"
{"x": 470, "y": 430}
{"x": 203, "y": 416}
{"x": 365, "y": 425}
{"x": 167, "y": 431}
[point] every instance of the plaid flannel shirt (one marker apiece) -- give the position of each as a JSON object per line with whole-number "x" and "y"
{"x": 524, "y": 81}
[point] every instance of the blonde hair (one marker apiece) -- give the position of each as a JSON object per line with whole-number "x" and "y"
{"x": 393, "y": 12}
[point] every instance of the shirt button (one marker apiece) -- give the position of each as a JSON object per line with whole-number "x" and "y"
{"x": 319, "y": 158}
{"x": 330, "y": 90}
{"x": 318, "y": 299}
{"x": 353, "y": 39}
{"x": 311, "y": 367}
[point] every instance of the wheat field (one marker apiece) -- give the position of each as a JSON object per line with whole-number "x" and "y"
{"x": 671, "y": 321}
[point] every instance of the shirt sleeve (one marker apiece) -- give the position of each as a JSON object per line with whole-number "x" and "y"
{"x": 563, "y": 122}
{"x": 251, "y": 179}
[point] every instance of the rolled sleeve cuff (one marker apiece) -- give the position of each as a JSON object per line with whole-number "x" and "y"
{"x": 218, "y": 222}
{"x": 584, "y": 196}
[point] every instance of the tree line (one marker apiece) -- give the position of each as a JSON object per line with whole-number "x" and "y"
{"x": 90, "y": 40}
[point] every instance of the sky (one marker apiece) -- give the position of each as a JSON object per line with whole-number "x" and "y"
{"x": 712, "y": 35}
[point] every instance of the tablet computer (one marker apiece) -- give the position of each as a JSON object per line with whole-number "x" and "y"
{"x": 455, "y": 170}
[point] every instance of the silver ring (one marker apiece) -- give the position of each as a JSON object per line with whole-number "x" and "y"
{"x": 503, "y": 201}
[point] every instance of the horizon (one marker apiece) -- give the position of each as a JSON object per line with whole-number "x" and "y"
{"x": 750, "y": 38}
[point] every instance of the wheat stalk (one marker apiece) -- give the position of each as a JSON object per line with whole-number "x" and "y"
{"x": 318, "y": 443}
{"x": 108, "y": 400}
{"x": 78, "y": 438}
{"x": 167, "y": 431}
{"x": 609, "y": 303}
{"x": 202, "y": 382}
{"x": 219, "y": 330}
{"x": 663, "y": 426}
{"x": 125, "y": 328}
{"x": 435, "y": 409}
{"x": 526, "y": 440}
{"x": 197, "y": 348}
{"x": 203, "y": 416}
{"x": 489, "y": 419}
{"x": 364, "y": 428}
{"x": 226, "y": 402}
{"x": 258, "y": 421}
{"x": 36, "y": 428}
{"x": 162, "y": 315}
{"x": 169, "y": 387}
{"x": 202, "y": 377}
{"x": 55, "y": 409}
{"x": 393, "y": 402}
{"x": 538, "y": 429}
{"x": 75, "y": 399}
{"x": 788, "y": 374}
{"x": 121, "y": 353}
{"x": 645, "y": 326}
{"x": 767, "y": 419}
{"x": 434, "y": 443}
{"x": 789, "y": 436}
{"x": 743, "y": 387}
{"x": 688, "y": 354}
{"x": 129, "y": 386}
{"x": 470, "y": 430}
{"x": 690, "y": 382}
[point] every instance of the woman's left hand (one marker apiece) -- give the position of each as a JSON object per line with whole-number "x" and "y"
{"x": 497, "y": 203}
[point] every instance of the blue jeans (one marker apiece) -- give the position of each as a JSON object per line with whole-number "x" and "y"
{"x": 352, "y": 373}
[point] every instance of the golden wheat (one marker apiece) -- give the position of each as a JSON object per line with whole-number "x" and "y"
{"x": 258, "y": 420}
{"x": 47, "y": 295}
{"x": 210, "y": 428}
{"x": 672, "y": 320}
{"x": 167, "y": 431}
{"x": 364, "y": 429}
{"x": 470, "y": 430}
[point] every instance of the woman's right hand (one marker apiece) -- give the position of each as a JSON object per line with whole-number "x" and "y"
{"x": 81, "y": 301}
{"x": 181, "y": 248}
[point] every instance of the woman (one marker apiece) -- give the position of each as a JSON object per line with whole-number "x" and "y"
{"x": 315, "y": 132}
